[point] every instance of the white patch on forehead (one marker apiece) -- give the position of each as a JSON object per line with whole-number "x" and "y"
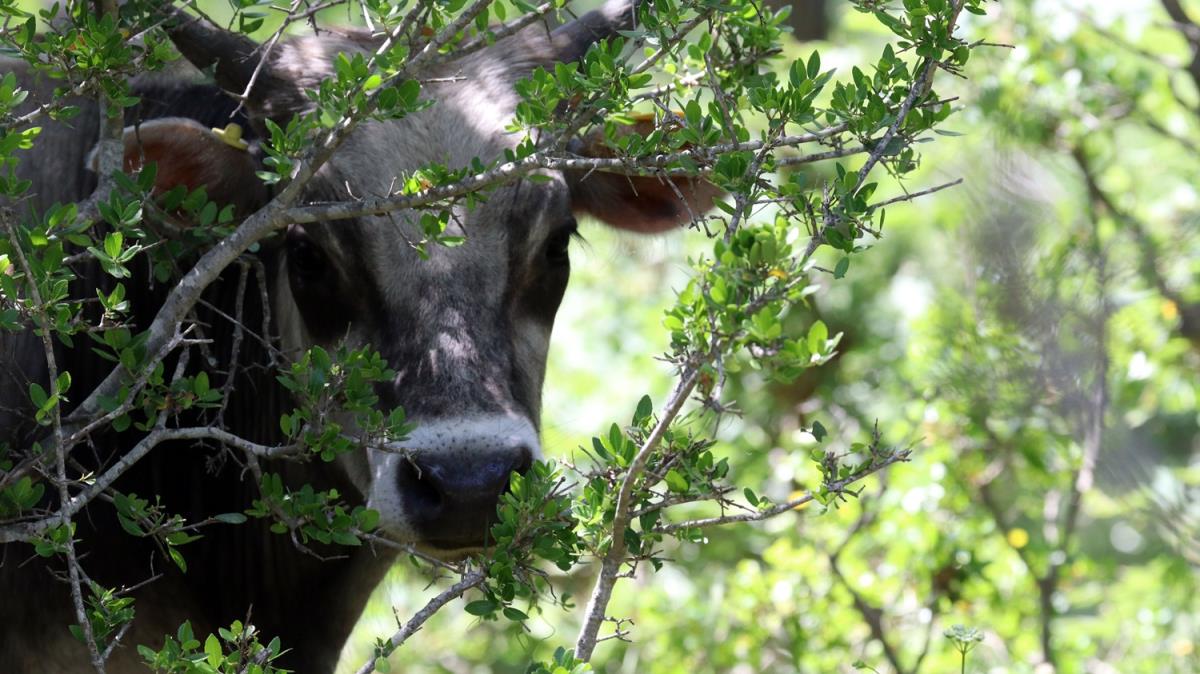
{"x": 455, "y": 347}
{"x": 468, "y": 119}
{"x": 472, "y": 106}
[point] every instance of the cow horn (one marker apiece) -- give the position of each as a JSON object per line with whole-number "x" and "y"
{"x": 204, "y": 44}
{"x": 571, "y": 40}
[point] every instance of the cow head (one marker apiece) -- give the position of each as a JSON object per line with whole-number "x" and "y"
{"x": 467, "y": 329}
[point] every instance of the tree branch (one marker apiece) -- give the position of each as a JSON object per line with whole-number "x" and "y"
{"x": 652, "y": 165}
{"x": 29, "y": 530}
{"x": 611, "y": 564}
{"x": 472, "y": 579}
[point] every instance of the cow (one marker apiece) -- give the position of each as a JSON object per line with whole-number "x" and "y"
{"x": 466, "y": 332}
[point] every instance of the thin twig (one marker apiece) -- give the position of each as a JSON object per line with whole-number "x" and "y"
{"x": 913, "y": 195}
{"x": 62, "y": 518}
{"x": 472, "y": 579}
{"x": 494, "y": 34}
{"x": 808, "y": 497}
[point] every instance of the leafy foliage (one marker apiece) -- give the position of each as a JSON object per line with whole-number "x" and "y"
{"x": 233, "y": 649}
{"x": 796, "y": 144}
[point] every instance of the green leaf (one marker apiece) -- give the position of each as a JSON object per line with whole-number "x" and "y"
{"x": 839, "y": 271}
{"x": 796, "y": 74}
{"x": 691, "y": 112}
{"x": 200, "y": 383}
{"x": 818, "y": 431}
{"x": 212, "y": 651}
{"x": 177, "y": 557}
{"x": 817, "y": 335}
{"x": 112, "y": 244}
{"x": 37, "y": 394}
{"x": 513, "y": 614}
{"x": 345, "y": 538}
{"x": 644, "y": 409}
{"x": 368, "y": 519}
{"x": 718, "y": 291}
{"x": 676, "y": 481}
{"x": 481, "y": 607}
{"x": 616, "y": 440}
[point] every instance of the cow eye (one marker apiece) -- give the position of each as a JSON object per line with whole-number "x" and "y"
{"x": 304, "y": 257}
{"x": 559, "y": 243}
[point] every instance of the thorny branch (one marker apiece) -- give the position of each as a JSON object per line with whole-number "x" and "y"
{"x": 27, "y": 531}
{"x": 265, "y": 53}
{"x": 109, "y": 158}
{"x": 655, "y": 165}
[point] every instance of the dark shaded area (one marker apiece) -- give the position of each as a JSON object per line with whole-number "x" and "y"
{"x": 810, "y": 19}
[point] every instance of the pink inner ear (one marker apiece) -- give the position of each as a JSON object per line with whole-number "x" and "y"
{"x": 188, "y": 153}
{"x": 647, "y": 205}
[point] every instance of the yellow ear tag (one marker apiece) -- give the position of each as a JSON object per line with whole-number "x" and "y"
{"x": 231, "y": 135}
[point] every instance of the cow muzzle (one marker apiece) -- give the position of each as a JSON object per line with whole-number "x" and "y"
{"x": 439, "y": 489}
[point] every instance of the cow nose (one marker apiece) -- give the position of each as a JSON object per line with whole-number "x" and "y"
{"x": 451, "y": 497}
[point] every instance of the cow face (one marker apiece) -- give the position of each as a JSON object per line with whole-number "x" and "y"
{"x": 467, "y": 329}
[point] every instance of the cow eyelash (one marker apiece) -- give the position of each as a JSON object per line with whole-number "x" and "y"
{"x": 559, "y": 243}
{"x": 303, "y": 255}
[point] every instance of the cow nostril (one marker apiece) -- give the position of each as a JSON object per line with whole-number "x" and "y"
{"x": 421, "y": 488}
{"x": 523, "y": 461}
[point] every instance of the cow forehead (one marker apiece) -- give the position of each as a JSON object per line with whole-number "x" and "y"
{"x": 514, "y": 216}
{"x": 467, "y": 121}
{"x": 473, "y": 101}
{"x": 503, "y": 234}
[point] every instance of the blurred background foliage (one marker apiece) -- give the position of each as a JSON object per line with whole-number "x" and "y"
{"x": 1034, "y": 333}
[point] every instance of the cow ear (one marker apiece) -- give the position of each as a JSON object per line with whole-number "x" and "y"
{"x": 646, "y": 204}
{"x": 187, "y": 153}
